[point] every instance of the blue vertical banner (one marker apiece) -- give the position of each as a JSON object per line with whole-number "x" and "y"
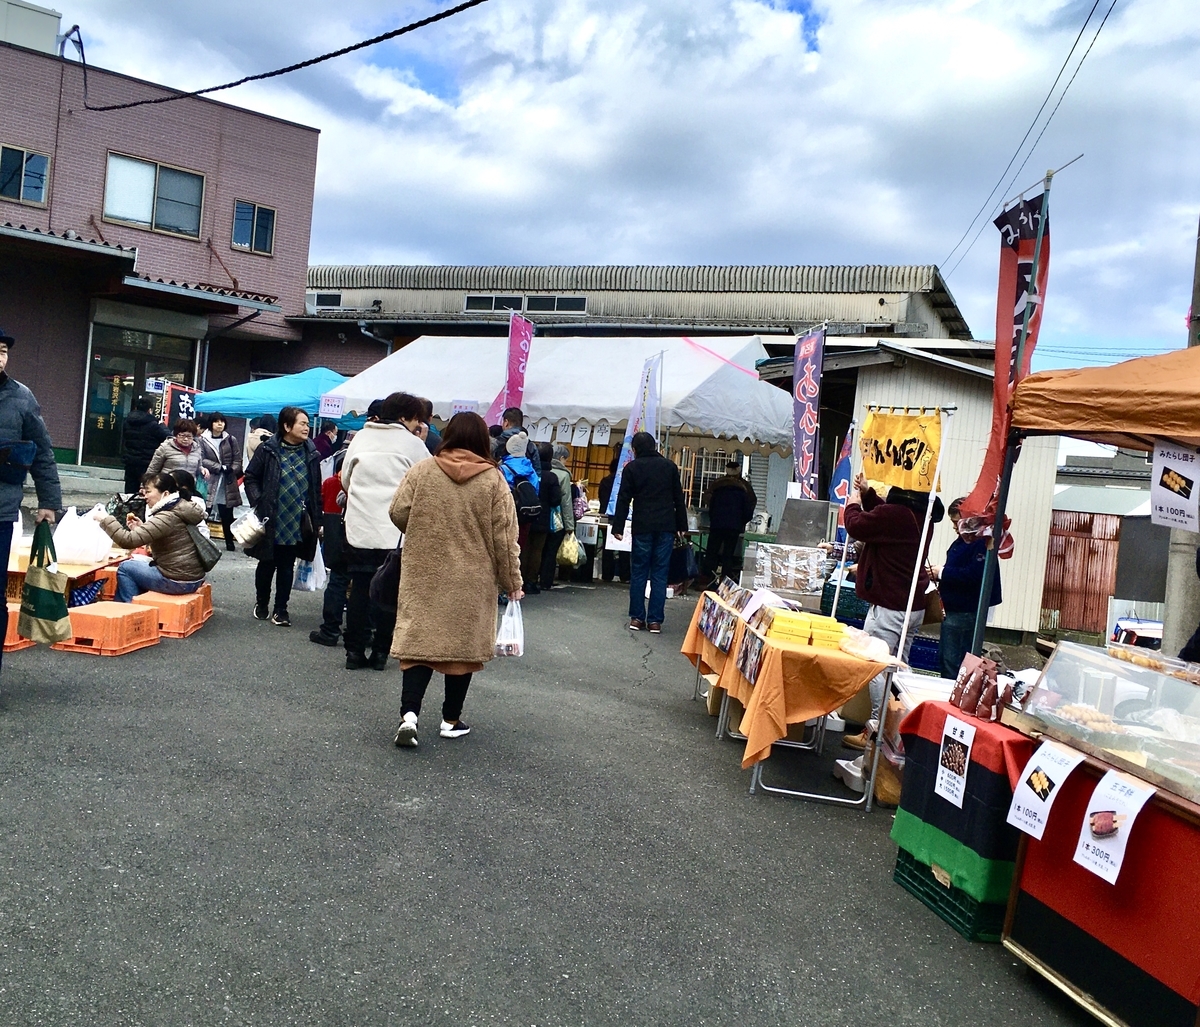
{"x": 806, "y": 409}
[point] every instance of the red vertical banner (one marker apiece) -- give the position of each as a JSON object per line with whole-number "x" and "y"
{"x": 806, "y": 409}
{"x": 520, "y": 339}
{"x": 1018, "y": 240}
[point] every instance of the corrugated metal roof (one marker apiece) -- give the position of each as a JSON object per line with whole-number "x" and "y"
{"x": 68, "y": 239}
{"x": 639, "y": 277}
{"x": 1087, "y": 499}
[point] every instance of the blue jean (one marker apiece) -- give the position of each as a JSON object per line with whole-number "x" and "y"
{"x": 958, "y": 632}
{"x": 6, "y": 533}
{"x": 650, "y": 560}
{"x": 137, "y": 576}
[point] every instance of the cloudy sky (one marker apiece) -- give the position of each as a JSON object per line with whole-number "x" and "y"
{"x": 727, "y": 131}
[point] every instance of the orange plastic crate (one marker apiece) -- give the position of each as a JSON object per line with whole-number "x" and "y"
{"x": 178, "y": 616}
{"x": 111, "y": 629}
{"x": 109, "y": 576}
{"x": 205, "y": 593}
{"x": 12, "y": 641}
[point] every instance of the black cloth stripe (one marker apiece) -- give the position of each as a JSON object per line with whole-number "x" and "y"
{"x": 980, "y": 824}
{"x": 1121, "y": 987}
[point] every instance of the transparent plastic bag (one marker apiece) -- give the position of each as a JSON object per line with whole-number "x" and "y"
{"x": 311, "y": 576}
{"x": 510, "y": 639}
{"x": 81, "y": 539}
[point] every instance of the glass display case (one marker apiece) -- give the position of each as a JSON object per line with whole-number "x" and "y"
{"x": 1129, "y": 706}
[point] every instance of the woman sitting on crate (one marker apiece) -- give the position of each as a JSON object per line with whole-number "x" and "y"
{"x": 176, "y": 568}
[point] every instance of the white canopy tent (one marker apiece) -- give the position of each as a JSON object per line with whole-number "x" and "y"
{"x": 709, "y": 384}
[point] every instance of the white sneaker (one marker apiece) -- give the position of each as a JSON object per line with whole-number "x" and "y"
{"x": 455, "y": 730}
{"x": 406, "y": 733}
{"x": 850, "y": 772}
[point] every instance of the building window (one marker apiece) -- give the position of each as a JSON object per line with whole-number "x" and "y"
{"x": 493, "y": 303}
{"x": 253, "y": 227}
{"x": 23, "y": 175}
{"x": 573, "y": 304}
{"x": 149, "y": 195}
{"x": 328, "y": 299}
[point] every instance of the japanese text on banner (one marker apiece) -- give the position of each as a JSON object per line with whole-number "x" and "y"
{"x": 901, "y": 449}
{"x": 806, "y": 409}
{"x": 643, "y": 417}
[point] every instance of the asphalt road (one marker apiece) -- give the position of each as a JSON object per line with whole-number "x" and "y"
{"x": 219, "y": 830}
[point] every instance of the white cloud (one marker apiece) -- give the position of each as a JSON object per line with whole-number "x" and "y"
{"x": 706, "y": 131}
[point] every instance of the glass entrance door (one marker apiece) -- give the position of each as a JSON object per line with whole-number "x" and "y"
{"x": 126, "y": 364}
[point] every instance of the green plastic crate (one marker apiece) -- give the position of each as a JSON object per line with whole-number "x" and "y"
{"x": 975, "y": 921}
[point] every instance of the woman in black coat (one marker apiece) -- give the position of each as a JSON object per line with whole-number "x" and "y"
{"x": 283, "y": 484}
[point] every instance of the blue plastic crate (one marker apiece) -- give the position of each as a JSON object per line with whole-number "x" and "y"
{"x": 926, "y": 654}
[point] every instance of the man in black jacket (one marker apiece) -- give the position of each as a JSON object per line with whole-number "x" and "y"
{"x": 731, "y": 502}
{"x": 651, "y": 482}
{"x": 142, "y": 435}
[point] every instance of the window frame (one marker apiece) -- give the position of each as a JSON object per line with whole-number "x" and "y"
{"x": 158, "y": 164}
{"x": 25, "y": 152}
{"x": 253, "y": 225}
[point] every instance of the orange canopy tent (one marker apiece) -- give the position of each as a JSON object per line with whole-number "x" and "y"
{"x": 1131, "y": 404}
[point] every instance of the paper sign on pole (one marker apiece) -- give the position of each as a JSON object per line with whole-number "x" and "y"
{"x": 581, "y": 434}
{"x": 1173, "y": 493}
{"x": 954, "y": 760}
{"x": 1040, "y": 785}
{"x": 901, "y": 449}
{"x": 463, "y": 406}
{"x": 601, "y": 434}
{"x": 332, "y": 407}
{"x": 1111, "y": 811}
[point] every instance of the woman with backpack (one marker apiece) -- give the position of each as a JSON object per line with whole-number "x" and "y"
{"x": 543, "y": 526}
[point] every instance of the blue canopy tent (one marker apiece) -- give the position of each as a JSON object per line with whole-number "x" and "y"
{"x": 270, "y": 395}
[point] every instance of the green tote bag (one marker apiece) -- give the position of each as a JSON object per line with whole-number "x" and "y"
{"x": 44, "y": 615}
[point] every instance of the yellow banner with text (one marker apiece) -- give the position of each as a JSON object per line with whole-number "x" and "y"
{"x": 901, "y": 449}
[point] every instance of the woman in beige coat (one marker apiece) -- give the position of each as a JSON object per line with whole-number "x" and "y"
{"x": 460, "y": 549}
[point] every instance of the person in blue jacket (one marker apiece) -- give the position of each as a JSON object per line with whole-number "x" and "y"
{"x": 959, "y": 584}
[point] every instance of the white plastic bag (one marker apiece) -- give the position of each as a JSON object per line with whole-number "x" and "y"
{"x": 311, "y": 575}
{"x": 81, "y": 539}
{"x": 510, "y": 639}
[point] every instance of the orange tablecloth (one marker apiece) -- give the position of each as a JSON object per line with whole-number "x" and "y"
{"x": 795, "y": 683}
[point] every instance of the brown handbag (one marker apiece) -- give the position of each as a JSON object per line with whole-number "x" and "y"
{"x": 935, "y": 612}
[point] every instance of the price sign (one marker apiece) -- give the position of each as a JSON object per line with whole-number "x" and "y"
{"x": 954, "y": 760}
{"x": 1111, "y": 812}
{"x": 1039, "y": 787}
{"x": 463, "y": 406}
{"x": 332, "y": 407}
{"x": 1174, "y": 488}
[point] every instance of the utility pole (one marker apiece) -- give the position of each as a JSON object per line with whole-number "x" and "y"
{"x": 1183, "y": 586}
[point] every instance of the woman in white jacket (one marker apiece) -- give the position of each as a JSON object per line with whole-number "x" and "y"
{"x": 376, "y": 462}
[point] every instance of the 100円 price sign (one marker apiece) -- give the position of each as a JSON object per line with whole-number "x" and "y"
{"x": 1040, "y": 785}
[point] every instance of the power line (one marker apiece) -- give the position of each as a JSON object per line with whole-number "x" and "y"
{"x": 1044, "y": 126}
{"x": 1016, "y": 153}
{"x": 77, "y": 39}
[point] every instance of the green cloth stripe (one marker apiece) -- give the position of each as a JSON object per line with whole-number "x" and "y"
{"x": 985, "y": 880}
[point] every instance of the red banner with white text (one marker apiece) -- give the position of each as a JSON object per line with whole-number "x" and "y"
{"x": 520, "y": 338}
{"x": 1018, "y": 239}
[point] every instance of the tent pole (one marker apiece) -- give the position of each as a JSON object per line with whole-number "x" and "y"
{"x": 837, "y": 592}
{"x": 1014, "y": 442}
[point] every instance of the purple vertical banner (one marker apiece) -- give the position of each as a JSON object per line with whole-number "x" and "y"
{"x": 806, "y": 409}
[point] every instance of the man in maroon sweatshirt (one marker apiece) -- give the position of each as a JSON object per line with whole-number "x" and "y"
{"x": 890, "y": 547}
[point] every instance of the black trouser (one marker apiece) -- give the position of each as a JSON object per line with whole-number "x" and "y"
{"x": 366, "y": 622}
{"x": 133, "y": 477}
{"x": 614, "y": 561}
{"x": 281, "y": 567}
{"x": 724, "y": 549}
{"x": 6, "y": 534}
{"x": 550, "y": 558}
{"x": 416, "y": 680}
{"x": 334, "y": 604}
{"x": 226, "y": 515}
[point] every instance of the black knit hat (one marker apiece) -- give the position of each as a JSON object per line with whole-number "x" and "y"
{"x": 7, "y": 339}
